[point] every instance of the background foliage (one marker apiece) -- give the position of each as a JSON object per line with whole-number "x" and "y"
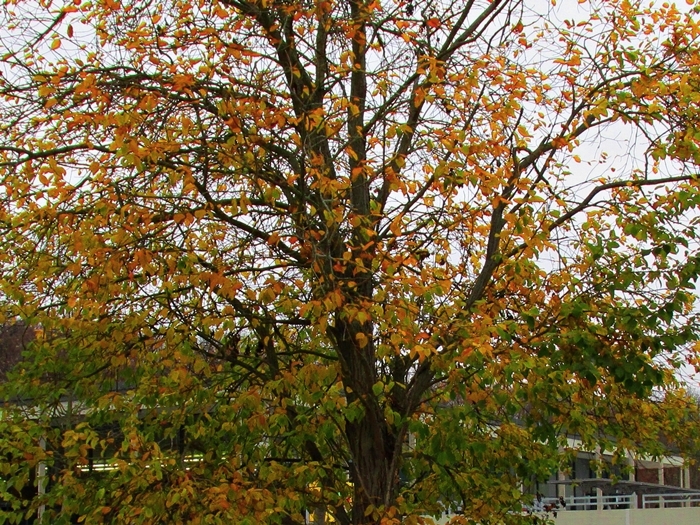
{"x": 377, "y": 258}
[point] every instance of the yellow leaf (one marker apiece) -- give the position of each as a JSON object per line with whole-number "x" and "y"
{"x": 273, "y": 239}
{"x": 56, "y": 44}
{"x": 267, "y": 295}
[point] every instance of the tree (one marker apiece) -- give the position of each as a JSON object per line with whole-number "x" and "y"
{"x": 376, "y": 258}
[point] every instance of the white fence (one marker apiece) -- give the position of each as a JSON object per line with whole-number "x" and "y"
{"x": 660, "y": 501}
{"x": 626, "y": 501}
{"x": 611, "y": 502}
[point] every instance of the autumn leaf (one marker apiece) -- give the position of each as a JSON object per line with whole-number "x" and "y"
{"x": 361, "y": 260}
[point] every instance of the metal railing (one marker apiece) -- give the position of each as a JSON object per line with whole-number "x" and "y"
{"x": 657, "y": 501}
{"x": 546, "y": 508}
{"x": 626, "y": 501}
{"x": 607, "y": 502}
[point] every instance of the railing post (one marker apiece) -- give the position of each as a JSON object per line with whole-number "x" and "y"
{"x": 41, "y": 482}
{"x": 599, "y": 473}
{"x": 632, "y": 476}
{"x": 561, "y": 488}
{"x": 661, "y": 482}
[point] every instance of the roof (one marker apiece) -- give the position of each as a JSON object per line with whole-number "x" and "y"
{"x": 13, "y": 340}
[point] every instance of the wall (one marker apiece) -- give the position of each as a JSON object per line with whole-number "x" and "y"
{"x": 681, "y": 516}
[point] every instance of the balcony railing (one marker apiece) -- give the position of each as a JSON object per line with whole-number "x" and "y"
{"x": 625, "y": 501}
{"x": 656, "y": 501}
{"x": 615, "y": 501}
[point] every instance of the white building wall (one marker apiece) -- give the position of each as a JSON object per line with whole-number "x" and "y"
{"x": 675, "y": 516}
{"x": 679, "y": 516}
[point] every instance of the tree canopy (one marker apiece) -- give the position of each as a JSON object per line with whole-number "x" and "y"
{"x": 375, "y": 258}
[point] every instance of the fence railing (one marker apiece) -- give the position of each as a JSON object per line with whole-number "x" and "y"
{"x": 548, "y": 506}
{"x": 625, "y": 501}
{"x": 656, "y": 501}
{"x": 614, "y": 501}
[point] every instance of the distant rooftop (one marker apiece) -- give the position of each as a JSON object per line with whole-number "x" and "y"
{"x": 13, "y": 339}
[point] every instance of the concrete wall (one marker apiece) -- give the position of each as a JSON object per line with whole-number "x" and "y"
{"x": 679, "y": 516}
